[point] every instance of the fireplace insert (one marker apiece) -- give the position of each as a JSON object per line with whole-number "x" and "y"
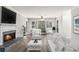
{"x": 9, "y": 36}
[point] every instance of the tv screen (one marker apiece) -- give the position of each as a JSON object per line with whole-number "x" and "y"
{"x": 8, "y": 16}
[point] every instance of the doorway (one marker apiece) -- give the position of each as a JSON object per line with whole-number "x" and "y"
{"x": 41, "y": 25}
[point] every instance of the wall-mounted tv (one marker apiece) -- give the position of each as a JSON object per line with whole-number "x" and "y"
{"x": 8, "y": 16}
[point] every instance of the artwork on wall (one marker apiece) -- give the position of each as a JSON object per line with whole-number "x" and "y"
{"x": 76, "y": 24}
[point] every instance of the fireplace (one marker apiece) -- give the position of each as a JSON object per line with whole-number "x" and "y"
{"x": 9, "y": 36}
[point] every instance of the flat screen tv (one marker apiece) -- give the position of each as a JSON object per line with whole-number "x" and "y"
{"x": 8, "y": 16}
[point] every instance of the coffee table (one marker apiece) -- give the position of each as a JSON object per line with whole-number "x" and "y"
{"x": 33, "y": 46}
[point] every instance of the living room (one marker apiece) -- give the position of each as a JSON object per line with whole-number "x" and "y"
{"x": 21, "y": 26}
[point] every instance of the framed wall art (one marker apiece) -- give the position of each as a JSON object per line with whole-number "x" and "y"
{"x": 76, "y": 24}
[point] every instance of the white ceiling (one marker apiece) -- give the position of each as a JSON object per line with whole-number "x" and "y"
{"x": 29, "y": 11}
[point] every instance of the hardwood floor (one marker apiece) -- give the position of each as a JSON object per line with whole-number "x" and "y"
{"x": 44, "y": 43}
{"x": 21, "y": 45}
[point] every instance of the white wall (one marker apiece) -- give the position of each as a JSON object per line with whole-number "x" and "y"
{"x": 19, "y": 23}
{"x": 20, "y": 20}
{"x": 65, "y": 24}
